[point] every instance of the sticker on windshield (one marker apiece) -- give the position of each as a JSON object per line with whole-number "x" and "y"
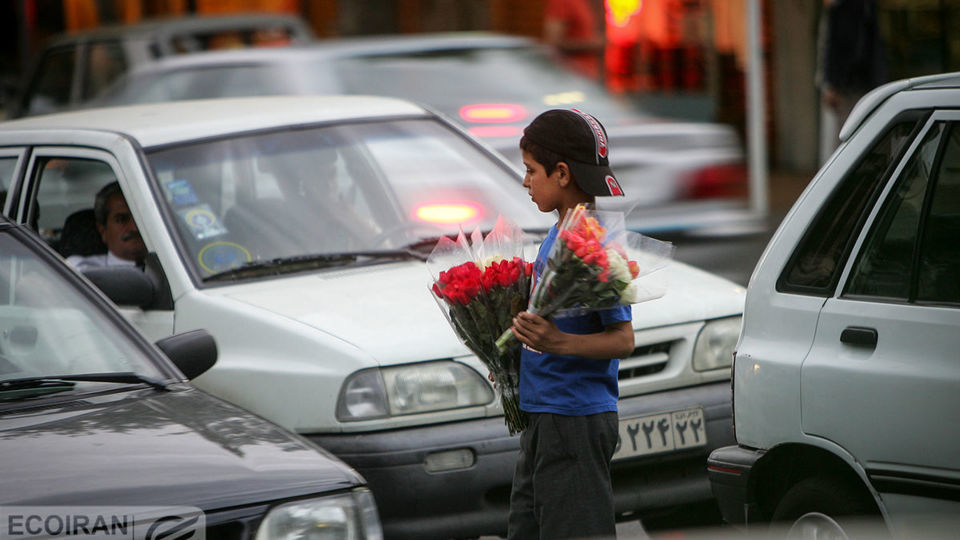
{"x": 202, "y": 221}
{"x": 219, "y": 256}
{"x": 181, "y": 193}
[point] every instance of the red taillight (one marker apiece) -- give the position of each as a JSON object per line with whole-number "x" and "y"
{"x": 449, "y": 212}
{"x": 493, "y": 113}
{"x": 495, "y": 131}
{"x": 719, "y": 182}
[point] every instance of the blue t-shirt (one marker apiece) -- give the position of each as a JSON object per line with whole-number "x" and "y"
{"x": 570, "y": 385}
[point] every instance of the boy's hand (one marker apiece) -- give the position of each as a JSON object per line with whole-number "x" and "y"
{"x": 539, "y": 334}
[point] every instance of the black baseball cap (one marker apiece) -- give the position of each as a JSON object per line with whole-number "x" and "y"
{"x": 581, "y": 141}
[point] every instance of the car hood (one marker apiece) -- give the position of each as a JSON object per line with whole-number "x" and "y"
{"x": 179, "y": 448}
{"x": 388, "y": 311}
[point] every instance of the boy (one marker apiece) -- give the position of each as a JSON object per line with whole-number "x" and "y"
{"x": 568, "y": 371}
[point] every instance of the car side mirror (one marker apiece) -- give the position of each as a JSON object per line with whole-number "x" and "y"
{"x": 131, "y": 286}
{"x": 193, "y": 352}
{"x": 125, "y": 285}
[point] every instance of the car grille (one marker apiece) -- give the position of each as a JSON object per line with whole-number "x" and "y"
{"x": 646, "y": 360}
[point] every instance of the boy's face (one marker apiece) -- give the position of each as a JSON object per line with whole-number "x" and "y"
{"x": 545, "y": 190}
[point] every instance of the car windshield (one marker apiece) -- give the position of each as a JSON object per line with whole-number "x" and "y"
{"x": 49, "y": 329}
{"x": 463, "y": 83}
{"x": 310, "y": 197}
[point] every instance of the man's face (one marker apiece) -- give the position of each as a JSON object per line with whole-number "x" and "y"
{"x": 120, "y": 233}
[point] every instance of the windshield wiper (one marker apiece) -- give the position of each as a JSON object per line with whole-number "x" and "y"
{"x": 284, "y": 265}
{"x": 402, "y": 253}
{"x": 281, "y": 265}
{"x": 127, "y": 377}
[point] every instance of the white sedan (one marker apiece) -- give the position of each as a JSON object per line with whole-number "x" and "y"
{"x": 294, "y": 229}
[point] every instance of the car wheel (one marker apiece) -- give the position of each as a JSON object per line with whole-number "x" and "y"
{"x": 825, "y": 508}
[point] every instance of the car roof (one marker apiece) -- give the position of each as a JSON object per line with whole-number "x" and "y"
{"x": 347, "y": 47}
{"x": 171, "y": 122}
{"x": 877, "y": 96}
{"x": 192, "y": 23}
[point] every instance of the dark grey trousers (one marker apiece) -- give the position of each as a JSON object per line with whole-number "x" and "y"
{"x": 561, "y": 486}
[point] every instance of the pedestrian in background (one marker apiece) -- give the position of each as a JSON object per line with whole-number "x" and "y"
{"x": 850, "y": 62}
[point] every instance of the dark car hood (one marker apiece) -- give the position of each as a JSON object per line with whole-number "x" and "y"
{"x": 146, "y": 447}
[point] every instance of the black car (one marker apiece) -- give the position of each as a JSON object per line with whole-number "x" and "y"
{"x": 100, "y": 430}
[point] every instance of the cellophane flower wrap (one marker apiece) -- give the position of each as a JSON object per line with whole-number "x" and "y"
{"x": 480, "y": 284}
{"x": 595, "y": 263}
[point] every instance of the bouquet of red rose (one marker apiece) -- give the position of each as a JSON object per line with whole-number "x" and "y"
{"x": 595, "y": 263}
{"x": 481, "y": 285}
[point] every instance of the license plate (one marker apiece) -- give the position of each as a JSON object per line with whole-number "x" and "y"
{"x": 662, "y": 432}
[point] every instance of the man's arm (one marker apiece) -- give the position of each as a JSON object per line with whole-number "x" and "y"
{"x": 615, "y": 341}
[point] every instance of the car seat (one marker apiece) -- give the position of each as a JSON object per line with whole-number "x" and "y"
{"x": 80, "y": 235}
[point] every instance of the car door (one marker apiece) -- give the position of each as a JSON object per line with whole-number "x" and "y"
{"x": 882, "y": 379}
{"x": 61, "y": 183}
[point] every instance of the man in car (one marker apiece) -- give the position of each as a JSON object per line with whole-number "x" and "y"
{"x": 118, "y": 230}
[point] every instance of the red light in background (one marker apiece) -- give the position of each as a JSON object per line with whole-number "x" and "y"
{"x": 504, "y": 113}
{"x": 619, "y": 12}
{"x": 719, "y": 182}
{"x": 495, "y": 131}
{"x": 448, "y": 212}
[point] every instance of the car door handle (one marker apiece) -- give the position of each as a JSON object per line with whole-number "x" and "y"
{"x": 859, "y": 336}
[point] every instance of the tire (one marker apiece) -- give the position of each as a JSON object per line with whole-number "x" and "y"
{"x": 828, "y": 508}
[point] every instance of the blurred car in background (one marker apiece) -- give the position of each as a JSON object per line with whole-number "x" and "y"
{"x": 74, "y": 68}
{"x": 294, "y": 229}
{"x": 96, "y": 420}
{"x": 684, "y": 181}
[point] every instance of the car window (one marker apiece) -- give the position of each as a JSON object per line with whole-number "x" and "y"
{"x": 104, "y": 62}
{"x": 66, "y": 185}
{"x": 51, "y": 86}
{"x": 269, "y": 35}
{"x": 8, "y": 165}
{"x": 331, "y": 190}
{"x": 815, "y": 265}
{"x": 939, "y": 263}
{"x": 48, "y": 328}
{"x": 884, "y": 267}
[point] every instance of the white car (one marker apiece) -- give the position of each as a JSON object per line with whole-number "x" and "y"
{"x": 294, "y": 230}
{"x": 846, "y": 376}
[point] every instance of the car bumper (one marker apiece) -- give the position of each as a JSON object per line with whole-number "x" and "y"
{"x": 729, "y": 471}
{"x": 474, "y": 500}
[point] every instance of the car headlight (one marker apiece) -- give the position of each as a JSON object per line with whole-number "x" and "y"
{"x": 350, "y": 516}
{"x": 411, "y": 389}
{"x": 715, "y": 344}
